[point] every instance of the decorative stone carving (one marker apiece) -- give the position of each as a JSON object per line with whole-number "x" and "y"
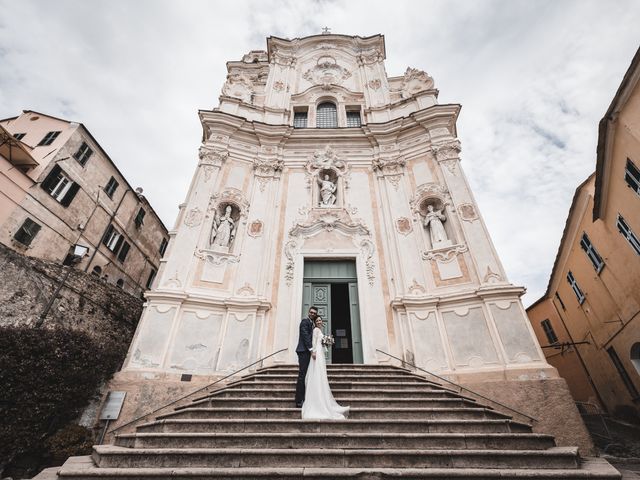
{"x": 223, "y": 229}
{"x": 245, "y": 291}
{"x": 328, "y": 220}
{"x": 467, "y": 212}
{"x": 391, "y": 168}
{"x": 492, "y": 277}
{"x": 174, "y": 281}
{"x": 266, "y": 169}
{"x": 240, "y": 87}
{"x": 210, "y": 159}
{"x": 367, "y": 249}
{"x": 415, "y": 81}
{"x": 324, "y": 159}
{"x": 278, "y": 86}
{"x": 416, "y": 289}
{"x": 449, "y": 150}
{"x": 326, "y": 72}
{"x": 289, "y": 252}
{"x": 370, "y": 56}
{"x": 228, "y": 196}
{"x": 193, "y": 218}
{"x": 327, "y": 192}
{"x": 282, "y": 58}
{"x": 216, "y": 258}
{"x": 374, "y": 84}
{"x": 255, "y": 228}
{"x": 433, "y": 221}
{"x": 444, "y": 254}
{"x": 403, "y": 226}
{"x": 428, "y": 191}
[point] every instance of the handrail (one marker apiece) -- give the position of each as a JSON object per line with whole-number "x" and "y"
{"x": 460, "y": 386}
{"x": 196, "y": 391}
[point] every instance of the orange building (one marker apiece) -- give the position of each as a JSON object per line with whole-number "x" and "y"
{"x": 588, "y": 321}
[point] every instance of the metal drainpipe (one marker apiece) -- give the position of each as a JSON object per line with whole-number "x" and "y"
{"x": 113, "y": 215}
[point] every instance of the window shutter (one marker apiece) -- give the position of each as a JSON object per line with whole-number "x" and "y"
{"x": 124, "y": 251}
{"x": 107, "y": 234}
{"x": 118, "y": 244}
{"x": 66, "y": 201}
{"x": 49, "y": 182}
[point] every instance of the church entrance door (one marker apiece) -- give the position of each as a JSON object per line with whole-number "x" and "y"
{"x": 332, "y": 286}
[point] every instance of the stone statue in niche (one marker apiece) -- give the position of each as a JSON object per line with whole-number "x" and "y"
{"x": 433, "y": 220}
{"x": 327, "y": 192}
{"x": 223, "y": 229}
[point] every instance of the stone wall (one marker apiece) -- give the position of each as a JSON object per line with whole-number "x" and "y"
{"x": 85, "y": 302}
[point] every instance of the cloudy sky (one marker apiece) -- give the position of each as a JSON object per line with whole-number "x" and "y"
{"x": 533, "y": 77}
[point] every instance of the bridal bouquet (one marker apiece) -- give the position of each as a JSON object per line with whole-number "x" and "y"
{"x": 328, "y": 340}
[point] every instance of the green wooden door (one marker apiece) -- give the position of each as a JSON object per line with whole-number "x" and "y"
{"x": 356, "y": 333}
{"x": 319, "y": 295}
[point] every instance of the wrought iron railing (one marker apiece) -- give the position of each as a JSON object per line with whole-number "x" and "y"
{"x": 206, "y": 387}
{"x": 460, "y": 387}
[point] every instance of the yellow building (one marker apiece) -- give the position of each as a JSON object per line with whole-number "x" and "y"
{"x": 588, "y": 321}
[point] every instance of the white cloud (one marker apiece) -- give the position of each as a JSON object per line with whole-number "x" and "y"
{"x": 534, "y": 78}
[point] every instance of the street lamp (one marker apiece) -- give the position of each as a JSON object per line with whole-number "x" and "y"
{"x": 79, "y": 252}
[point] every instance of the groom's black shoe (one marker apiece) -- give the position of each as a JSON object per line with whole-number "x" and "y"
{"x": 298, "y": 405}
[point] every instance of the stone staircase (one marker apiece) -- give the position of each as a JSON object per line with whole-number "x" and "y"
{"x": 400, "y": 426}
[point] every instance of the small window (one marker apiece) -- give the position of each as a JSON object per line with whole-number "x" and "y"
{"x": 163, "y": 246}
{"x": 624, "y": 376}
{"x": 327, "y": 115}
{"x": 152, "y": 276}
{"x": 83, "y": 153}
{"x": 124, "y": 250}
{"x": 19, "y": 136}
{"x": 60, "y": 186}
{"x": 353, "y": 118}
{"x": 548, "y": 331}
{"x": 111, "y": 187}
{"x": 49, "y": 138}
{"x": 97, "y": 271}
{"x": 139, "y": 220}
{"x": 561, "y": 302}
{"x": 591, "y": 252}
{"x": 627, "y": 233}
{"x": 27, "y": 232}
{"x": 632, "y": 176}
{"x": 120, "y": 283}
{"x": 575, "y": 287}
{"x": 300, "y": 119}
{"x": 112, "y": 239}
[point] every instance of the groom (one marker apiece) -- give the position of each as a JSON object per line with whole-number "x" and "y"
{"x": 304, "y": 352}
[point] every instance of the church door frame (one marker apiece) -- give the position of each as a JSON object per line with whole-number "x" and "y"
{"x": 353, "y": 285}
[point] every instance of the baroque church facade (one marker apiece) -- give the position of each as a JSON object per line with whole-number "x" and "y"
{"x": 322, "y": 181}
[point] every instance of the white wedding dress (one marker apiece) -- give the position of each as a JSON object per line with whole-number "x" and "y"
{"x": 319, "y": 403}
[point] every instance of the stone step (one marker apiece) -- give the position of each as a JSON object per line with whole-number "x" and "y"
{"x": 109, "y": 456}
{"x": 347, "y": 377}
{"x": 277, "y": 384}
{"x": 346, "y": 400}
{"x": 82, "y": 468}
{"x": 386, "y": 394}
{"x": 297, "y": 425}
{"x": 424, "y": 441}
{"x": 355, "y": 413}
{"x": 335, "y": 369}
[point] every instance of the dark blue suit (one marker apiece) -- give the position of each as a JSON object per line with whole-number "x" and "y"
{"x": 303, "y": 350}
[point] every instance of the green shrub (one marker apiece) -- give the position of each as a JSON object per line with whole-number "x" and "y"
{"x": 47, "y": 376}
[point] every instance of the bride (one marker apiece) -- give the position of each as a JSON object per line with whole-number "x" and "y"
{"x": 319, "y": 403}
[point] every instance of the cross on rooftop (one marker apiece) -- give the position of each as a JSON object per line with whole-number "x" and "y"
{"x": 326, "y": 31}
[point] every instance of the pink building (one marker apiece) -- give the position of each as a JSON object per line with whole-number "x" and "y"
{"x": 59, "y": 189}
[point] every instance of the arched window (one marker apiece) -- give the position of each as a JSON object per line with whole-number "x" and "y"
{"x": 97, "y": 270}
{"x": 120, "y": 283}
{"x": 635, "y": 356}
{"x": 327, "y": 115}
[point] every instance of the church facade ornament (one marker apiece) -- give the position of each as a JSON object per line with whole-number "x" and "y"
{"x": 326, "y": 72}
{"x": 415, "y": 81}
{"x": 445, "y": 254}
{"x": 193, "y": 218}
